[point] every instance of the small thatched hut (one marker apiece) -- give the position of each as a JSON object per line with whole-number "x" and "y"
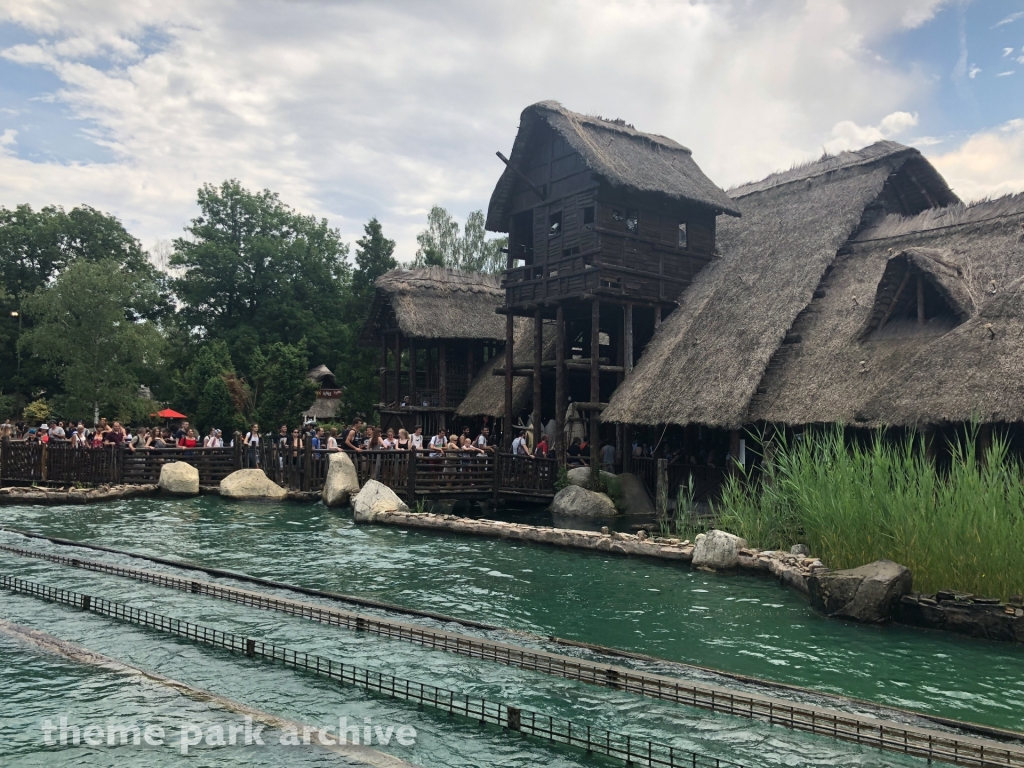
{"x": 435, "y": 328}
{"x": 328, "y": 396}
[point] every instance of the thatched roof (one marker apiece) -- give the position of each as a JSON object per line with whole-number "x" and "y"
{"x": 320, "y": 373}
{"x": 618, "y": 154}
{"x": 437, "y": 303}
{"x": 705, "y": 364}
{"x": 486, "y": 396}
{"x": 323, "y": 409}
{"x": 976, "y": 371}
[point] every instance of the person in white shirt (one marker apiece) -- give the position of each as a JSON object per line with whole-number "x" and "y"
{"x": 416, "y": 439}
{"x": 520, "y": 447}
{"x": 482, "y": 440}
{"x": 438, "y": 443}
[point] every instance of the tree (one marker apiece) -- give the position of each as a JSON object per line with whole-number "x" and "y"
{"x": 255, "y": 273}
{"x": 205, "y": 390}
{"x": 442, "y": 246}
{"x": 88, "y": 334}
{"x": 374, "y": 257}
{"x": 35, "y": 247}
{"x": 281, "y": 390}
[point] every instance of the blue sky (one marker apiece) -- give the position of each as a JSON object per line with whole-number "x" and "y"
{"x": 357, "y": 109}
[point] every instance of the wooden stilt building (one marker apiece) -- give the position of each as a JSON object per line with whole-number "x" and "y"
{"x": 435, "y": 329}
{"x": 607, "y": 226}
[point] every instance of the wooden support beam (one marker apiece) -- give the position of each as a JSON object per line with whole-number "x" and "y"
{"x": 627, "y": 336}
{"x": 412, "y": 373}
{"x": 522, "y": 177}
{"x": 574, "y": 365}
{"x": 442, "y": 375}
{"x": 538, "y": 358}
{"x": 398, "y": 369}
{"x": 895, "y": 299}
{"x": 560, "y": 405}
{"x": 383, "y": 370}
{"x": 506, "y": 437}
{"x": 595, "y": 382}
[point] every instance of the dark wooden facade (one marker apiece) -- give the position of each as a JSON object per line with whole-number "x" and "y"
{"x": 605, "y": 262}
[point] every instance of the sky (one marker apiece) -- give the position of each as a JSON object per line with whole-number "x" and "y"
{"x": 351, "y": 110}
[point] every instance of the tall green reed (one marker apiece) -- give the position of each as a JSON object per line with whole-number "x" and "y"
{"x": 959, "y": 529}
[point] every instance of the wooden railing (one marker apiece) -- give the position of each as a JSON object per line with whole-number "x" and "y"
{"x": 707, "y": 481}
{"x": 411, "y": 474}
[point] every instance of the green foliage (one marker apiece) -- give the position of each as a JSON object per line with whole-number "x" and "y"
{"x": 852, "y": 505}
{"x": 88, "y": 332}
{"x": 374, "y": 257}
{"x": 562, "y": 480}
{"x": 280, "y": 388}
{"x": 256, "y": 273}
{"x": 441, "y": 245}
{"x": 36, "y": 412}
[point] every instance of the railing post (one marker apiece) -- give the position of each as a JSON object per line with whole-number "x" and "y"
{"x": 497, "y": 476}
{"x": 412, "y": 475}
{"x": 661, "y": 492}
{"x": 42, "y": 461}
{"x": 5, "y": 457}
{"x": 237, "y": 442}
{"x": 308, "y": 463}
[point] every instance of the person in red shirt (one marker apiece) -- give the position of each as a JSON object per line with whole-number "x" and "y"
{"x": 541, "y": 451}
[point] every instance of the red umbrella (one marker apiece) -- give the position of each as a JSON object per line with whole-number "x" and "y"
{"x": 168, "y": 413}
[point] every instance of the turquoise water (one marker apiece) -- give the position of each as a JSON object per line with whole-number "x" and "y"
{"x": 736, "y": 623}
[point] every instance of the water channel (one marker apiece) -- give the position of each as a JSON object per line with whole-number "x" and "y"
{"x": 739, "y": 624}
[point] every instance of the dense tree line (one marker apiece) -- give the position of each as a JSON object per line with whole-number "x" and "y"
{"x": 255, "y": 295}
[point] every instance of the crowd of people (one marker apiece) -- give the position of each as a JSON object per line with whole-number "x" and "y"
{"x": 114, "y": 434}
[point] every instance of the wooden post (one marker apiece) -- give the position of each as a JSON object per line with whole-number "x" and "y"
{"x": 412, "y": 374}
{"x": 506, "y": 437}
{"x": 384, "y": 369}
{"x": 442, "y": 376}
{"x": 920, "y": 300}
{"x": 538, "y": 359}
{"x": 735, "y": 468}
{"x": 413, "y": 461}
{"x": 237, "y": 442}
{"x": 430, "y": 366}
{"x": 307, "y": 461}
{"x": 398, "y": 369}
{"x": 560, "y": 405}
{"x": 661, "y": 489}
{"x": 595, "y": 383}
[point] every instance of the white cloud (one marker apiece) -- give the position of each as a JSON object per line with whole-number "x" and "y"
{"x": 1006, "y": 74}
{"x": 848, "y": 135}
{"x": 1009, "y": 19}
{"x": 364, "y": 108}
{"x": 1007, "y": 52}
{"x": 988, "y": 164}
{"x": 8, "y": 139}
{"x": 974, "y": 71}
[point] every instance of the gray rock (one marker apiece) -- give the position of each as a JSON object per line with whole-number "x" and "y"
{"x": 573, "y": 501}
{"x": 179, "y": 478}
{"x": 374, "y": 498}
{"x": 580, "y": 476}
{"x": 341, "y": 482}
{"x": 869, "y": 594}
{"x": 800, "y": 549}
{"x": 717, "y": 550}
{"x": 251, "y": 484}
{"x": 634, "y": 495}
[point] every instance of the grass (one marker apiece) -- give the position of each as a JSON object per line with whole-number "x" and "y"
{"x": 961, "y": 530}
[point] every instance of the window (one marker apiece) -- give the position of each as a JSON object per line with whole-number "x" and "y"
{"x": 682, "y": 236}
{"x": 617, "y": 214}
{"x": 570, "y": 251}
{"x": 555, "y": 224}
{"x": 588, "y": 215}
{"x": 632, "y": 221}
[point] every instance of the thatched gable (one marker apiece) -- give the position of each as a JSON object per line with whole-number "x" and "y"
{"x": 436, "y": 303}
{"x": 832, "y": 372}
{"x": 486, "y": 396}
{"x": 618, "y": 154}
{"x": 705, "y": 364}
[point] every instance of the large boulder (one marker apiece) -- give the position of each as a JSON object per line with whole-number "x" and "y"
{"x": 717, "y": 550}
{"x": 573, "y": 501}
{"x": 179, "y": 478}
{"x": 581, "y": 476}
{"x": 251, "y": 484}
{"x": 869, "y": 594}
{"x": 634, "y": 495}
{"x": 341, "y": 482}
{"x": 373, "y": 499}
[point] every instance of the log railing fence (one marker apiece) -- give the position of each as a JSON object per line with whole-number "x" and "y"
{"x": 416, "y": 474}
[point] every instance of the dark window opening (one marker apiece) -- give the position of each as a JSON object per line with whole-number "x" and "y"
{"x": 555, "y": 224}
{"x": 570, "y": 251}
{"x": 521, "y": 237}
{"x": 588, "y": 215}
{"x": 682, "y": 236}
{"x": 632, "y": 221}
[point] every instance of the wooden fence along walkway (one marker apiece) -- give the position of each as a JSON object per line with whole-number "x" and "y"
{"x": 413, "y": 475}
{"x": 707, "y": 481}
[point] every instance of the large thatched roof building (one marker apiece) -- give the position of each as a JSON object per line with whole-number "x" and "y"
{"x": 717, "y": 360}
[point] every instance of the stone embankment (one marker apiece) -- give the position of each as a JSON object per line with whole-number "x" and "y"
{"x": 38, "y": 495}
